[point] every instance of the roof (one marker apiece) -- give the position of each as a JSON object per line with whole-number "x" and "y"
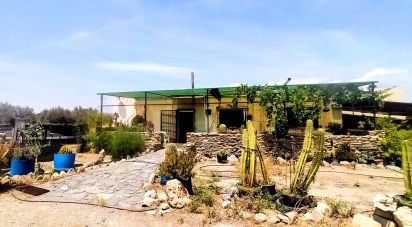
{"x": 224, "y": 91}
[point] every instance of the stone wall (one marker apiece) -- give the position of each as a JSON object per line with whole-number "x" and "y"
{"x": 153, "y": 141}
{"x": 209, "y": 144}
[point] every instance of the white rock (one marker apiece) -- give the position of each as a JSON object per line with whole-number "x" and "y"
{"x": 326, "y": 164}
{"x": 151, "y": 194}
{"x": 344, "y": 163}
{"x": 151, "y": 178}
{"x": 233, "y": 191}
{"x": 151, "y": 212}
{"x": 403, "y": 216}
{"x": 164, "y": 206}
{"x": 226, "y": 197}
{"x": 288, "y": 217}
{"x": 384, "y": 206}
{"x": 148, "y": 201}
{"x": 176, "y": 187}
{"x": 323, "y": 208}
{"x": 63, "y": 174}
{"x": 281, "y": 161}
{"x": 361, "y": 220}
{"x": 272, "y": 216}
{"x": 5, "y": 180}
{"x": 55, "y": 176}
{"x": 260, "y": 217}
{"x": 162, "y": 196}
{"x": 313, "y": 216}
{"x": 146, "y": 185}
{"x": 245, "y": 215}
{"x": 225, "y": 204}
{"x": 232, "y": 159}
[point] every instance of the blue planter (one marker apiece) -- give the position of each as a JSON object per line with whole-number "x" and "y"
{"x": 21, "y": 167}
{"x": 64, "y": 162}
{"x": 163, "y": 180}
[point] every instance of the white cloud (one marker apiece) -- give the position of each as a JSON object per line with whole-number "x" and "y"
{"x": 80, "y": 35}
{"x": 380, "y": 72}
{"x": 143, "y": 67}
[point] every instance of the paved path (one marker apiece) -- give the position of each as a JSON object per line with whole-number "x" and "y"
{"x": 120, "y": 183}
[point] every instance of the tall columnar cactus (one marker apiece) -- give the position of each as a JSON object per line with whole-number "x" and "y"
{"x": 407, "y": 165}
{"x": 251, "y": 153}
{"x": 303, "y": 178}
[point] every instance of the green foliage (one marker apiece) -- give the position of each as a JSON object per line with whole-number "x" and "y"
{"x": 28, "y": 144}
{"x": 138, "y": 120}
{"x": 178, "y": 165}
{"x": 103, "y": 141}
{"x": 345, "y": 153}
{"x": 170, "y": 148}
{"x": 261, "y": 200}
{"x": 301, "y": 180}
{"x": 340, "y": 208}
{"x": 407, "y": 164}
{"x": 335, "y": 128}
{"x": 248, "y": 159}
{"x": 222, "y": 152}
{"x": 124, "y": 143}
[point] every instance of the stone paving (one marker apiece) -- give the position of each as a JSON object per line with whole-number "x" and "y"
{"x": 119, "y": 184}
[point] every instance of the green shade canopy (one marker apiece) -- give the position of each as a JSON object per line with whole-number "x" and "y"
{"x": 224, "y": 91}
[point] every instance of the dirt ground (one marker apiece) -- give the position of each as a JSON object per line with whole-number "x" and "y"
{"x": 356, "y": 186}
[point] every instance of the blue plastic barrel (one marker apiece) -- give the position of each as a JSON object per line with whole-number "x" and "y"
{"x": 21, "y": 167}
{"x": 64, "y": 162}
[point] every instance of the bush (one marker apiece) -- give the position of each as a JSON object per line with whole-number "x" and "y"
{"x": 340, "y": 208}
{"x": 178, "y": 165}
{"x": 103, "y": 141}
{"x": 345, "y": 153}
{"x": 124, "y": 143}
{"x": 335, "y": 128}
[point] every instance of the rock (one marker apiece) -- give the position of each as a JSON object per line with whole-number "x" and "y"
{"x": 335, "y": 163}
{"x": 63, "y": 174}
{"x": 151, "y": 212}
{"x": 46, "y": 177}
{"x": 288, "y": 217}
{"x": 384, "y": 206}
{"x": 152, "y": 194}
{"x": 323, "y": 208}
{"x": 162, "y": 196}
{"x": 260, "y": 217}
{"x": 394, "y": 168}
{"x": 164, "y": 206}
{"x": 55, "y": 176}
{"x": 380, "y": 166}
{"x": 100, "y": 158}
{"x": 232, "y": 159}
{"x": 175, "y": 188}
{"x": 362, "y": 161}
{"x": 151, "y": 178}
{"x": 5, "y": 180}
{"x": 233, "y": 191}
{"x": 272, "y": 216}
{"x": 39, "y": 178}
{"x": 123, "y": 160}
{"x": 313, "y": 216}
{"x": 281, "y": 161}
{"x": 71, "y": 171}
{"x": 344, "y": 163}
{"x": 146, "y": 186}
{"x": 361, "y": 220}
{"x": 148, "y": 201}
{"x": 15, "y": 179}
{"x": 225, "y": 204}
{"x": 179, "y": 203}
{"x": 403, "y": 216}
{"x": 245, "y": 215}
{"x": 82, "y": 169}
{"x": 383, "y": 221}
{"x": 326, "y": 164}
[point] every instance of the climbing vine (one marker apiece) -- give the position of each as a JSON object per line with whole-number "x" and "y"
{"x": 305, "y": 102}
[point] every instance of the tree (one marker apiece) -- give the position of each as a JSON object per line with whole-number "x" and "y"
{"x": 8, "y": 111}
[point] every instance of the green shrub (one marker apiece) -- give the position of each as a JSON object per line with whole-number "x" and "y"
{"x": 335, "y": 128}
{"x": 345, "y": 153}
{"x": 340, "y": 208}
{"x": 178, "y": 165}
{"x": 103, "y": 141}
{"x": 124, "y": 143}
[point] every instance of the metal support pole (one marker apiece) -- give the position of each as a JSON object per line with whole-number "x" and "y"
{"x": 207, "y": 115}
{"x": 374, "y": 105}
{"x": 145, "y": 108}
{"x": 101, "y": 111}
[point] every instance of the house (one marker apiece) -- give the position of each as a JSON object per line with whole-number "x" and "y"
{"x": 202, "y": 109}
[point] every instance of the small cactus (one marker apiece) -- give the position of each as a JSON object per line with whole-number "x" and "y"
{"x": 222, "y": 128}
{"x": 68, "y": 149}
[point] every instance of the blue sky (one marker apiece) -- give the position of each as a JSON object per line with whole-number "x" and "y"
{"x": 61, "y": 53}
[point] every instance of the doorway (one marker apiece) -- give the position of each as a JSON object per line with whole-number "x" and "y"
{"x": 185, "y": 120}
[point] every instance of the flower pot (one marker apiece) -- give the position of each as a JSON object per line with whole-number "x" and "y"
{"x": 21, "y": 167}
{"x": 188, "y": 185}
{"x": 163, "y": 180}
{"x": 64, "y": 162}
{"x": 270, "y": 188}
{"x": 288, "y": 203}
{"x": 222, "y": 158}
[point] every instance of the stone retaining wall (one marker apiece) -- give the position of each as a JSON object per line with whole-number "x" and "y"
{"x": 209, "y": 144}
{"x": 153, "y": 141}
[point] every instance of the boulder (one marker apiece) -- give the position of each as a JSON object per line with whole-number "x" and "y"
{"x": 313, "y": 216}
{"x": 148, "y": 201}
{"x": 403, "y": 216}
{"x": 174, "y": 188}
{"x": 162, "y": 196}
{"x": 361, "y": 220}
{"x": 383, "y": 221}
{"x": 384, "y": 206}
{"x": 260, "y": 217}
{"x": 323, "y": 208}
{"x": 232, "y": 159}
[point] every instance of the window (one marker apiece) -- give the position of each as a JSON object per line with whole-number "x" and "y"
{"x": 233, "y": 117}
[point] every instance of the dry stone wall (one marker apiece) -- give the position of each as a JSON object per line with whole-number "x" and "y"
{"x": 153, "y": 141}
{"x": 209, "y": 144}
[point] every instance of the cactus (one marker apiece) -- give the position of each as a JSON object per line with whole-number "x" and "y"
{"x": 222, "y": 128}
{"x": 251, "y": 152}
{"x": 301, "y": 179}
{"x": 68, "y": 149}
{"x": 170, "y": 148}
{"x": 407, "y": 165}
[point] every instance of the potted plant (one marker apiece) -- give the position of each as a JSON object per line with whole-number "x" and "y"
{"x": 65, "y": 158}
{"x": 26, "y": 150}
{"x": 222, "y": 155}
{"x": 297, "y": 195}
{"x": 179, "y": 165}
